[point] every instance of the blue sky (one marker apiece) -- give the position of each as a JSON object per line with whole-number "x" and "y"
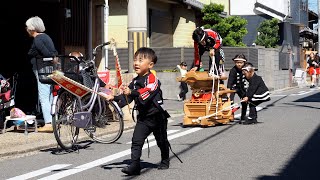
{"x": 313, "y": 5}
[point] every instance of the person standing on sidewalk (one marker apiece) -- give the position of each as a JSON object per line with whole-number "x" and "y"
{"x": 237, "y": 81}
{"x": 183, "y": 85}
{"x": 151, "y": 117}
{"x": 42, "y": 46}
{"x": 312, "y": 64}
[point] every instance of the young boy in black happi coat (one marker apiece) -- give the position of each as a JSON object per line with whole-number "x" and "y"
{"x": 147, "y": 95}
{"x": 237, "y": 81}
{"x": 256, "y": 94}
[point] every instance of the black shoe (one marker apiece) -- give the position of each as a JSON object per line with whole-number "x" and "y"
{"x": 243, "y": 119}
{"x": 250, "y": 121}
{"x": 312, "y": 86}
{"x": 164, "y": 164}
{"x": 131, "y": 170}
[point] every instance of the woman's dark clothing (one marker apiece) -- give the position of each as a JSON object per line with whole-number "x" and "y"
{"x": 42, "y": 46}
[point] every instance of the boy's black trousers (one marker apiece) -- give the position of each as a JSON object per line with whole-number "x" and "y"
{"x": 244, "y": 105}
{"x": 252, "y": 109}
{"x": 155, "y": 124}
{"x": 183, "y": 90}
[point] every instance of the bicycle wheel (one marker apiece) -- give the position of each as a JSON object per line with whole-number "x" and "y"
{"x": 107, "y": 127}
{"x": 65, "y": 133}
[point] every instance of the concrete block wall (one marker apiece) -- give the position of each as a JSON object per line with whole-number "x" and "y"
{"x": 170, "y": 86}
{"x": 268, "y": 68}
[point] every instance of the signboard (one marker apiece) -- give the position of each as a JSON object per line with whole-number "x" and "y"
{"x": 70, "y": 85}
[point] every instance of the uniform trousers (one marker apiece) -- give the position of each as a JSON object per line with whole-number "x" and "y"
{"x": 252, "y": 109}
{"x": 244, "y": 105}
{"x": 155, "y": 124}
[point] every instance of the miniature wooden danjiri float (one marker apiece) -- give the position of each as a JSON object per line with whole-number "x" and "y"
{"x": 209, "y": 104}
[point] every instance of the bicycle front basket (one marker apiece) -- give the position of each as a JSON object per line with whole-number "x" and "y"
{"x": 70, "y": 67}
{"x": 45, "y": 67}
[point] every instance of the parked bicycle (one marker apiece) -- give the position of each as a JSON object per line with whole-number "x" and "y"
{"x": 101, "y": 120}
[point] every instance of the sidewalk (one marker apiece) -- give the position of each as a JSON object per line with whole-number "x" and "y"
{"x": 16, "y": 143}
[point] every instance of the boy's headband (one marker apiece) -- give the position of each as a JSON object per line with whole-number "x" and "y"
{"x": 248, "y": 68}
{"x": 239, "y": 59}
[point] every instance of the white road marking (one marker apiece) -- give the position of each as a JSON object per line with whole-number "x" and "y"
{"x": 112, "y": 157}
{"x": 301, "y": 93}
{"x": 40, "y": 172}
{"x": 278, "y": 95}
{"x": 151, "y": 137}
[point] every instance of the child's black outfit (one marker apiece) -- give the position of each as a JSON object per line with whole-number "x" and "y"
{"x": 151, "y": 118}
{"x": 257, "y": 93}
{"x": 238, "y": 82}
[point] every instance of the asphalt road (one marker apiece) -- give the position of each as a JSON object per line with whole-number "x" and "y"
{"x": 283, "y": 145}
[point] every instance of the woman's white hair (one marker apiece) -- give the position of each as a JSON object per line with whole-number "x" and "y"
{"x": 35, "y": 24}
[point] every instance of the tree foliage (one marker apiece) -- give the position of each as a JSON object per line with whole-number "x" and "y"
{"x": 268, "y": 35}
{"x": 232, "y": 29}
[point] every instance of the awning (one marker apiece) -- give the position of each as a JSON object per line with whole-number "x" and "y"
{"x": 271, "y": 12}
{"x": 194, "y": 3}
{"x": 308, "y": 31}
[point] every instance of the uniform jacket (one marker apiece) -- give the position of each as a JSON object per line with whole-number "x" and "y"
{"x": 236, "y": 80}
{"x": 257, "y": 90}
{"x": 213, "y": 41}
{"x": 145, "y": 92}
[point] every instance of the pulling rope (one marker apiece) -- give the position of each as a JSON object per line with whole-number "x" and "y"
{"x": 212, "y": 74}
{"x": 232, "y": 106}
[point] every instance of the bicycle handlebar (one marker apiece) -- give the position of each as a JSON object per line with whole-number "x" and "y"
{"x": 94, "y": 52}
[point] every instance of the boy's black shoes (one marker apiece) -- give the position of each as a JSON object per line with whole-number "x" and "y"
{"x": 250, "y": 121}
{"x": 164, "y": 164}
{"x": 133, "y": 169}
{"x": 243, "y": 119}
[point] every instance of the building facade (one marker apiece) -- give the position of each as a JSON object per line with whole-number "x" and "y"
{"x": 292, "y": 16}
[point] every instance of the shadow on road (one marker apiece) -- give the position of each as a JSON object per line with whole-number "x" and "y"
{"x": 80, "y": 145}
{"x": 313, "y": 98}
{"x": 304, "y": 164}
